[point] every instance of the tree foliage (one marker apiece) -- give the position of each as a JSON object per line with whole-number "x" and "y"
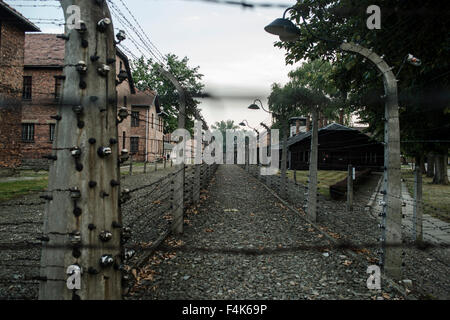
{"x": 419, "y": 27}
{"x": 223, "y": 126}
{"x": 146, "y": 76}
{"x": 310, "y": 86}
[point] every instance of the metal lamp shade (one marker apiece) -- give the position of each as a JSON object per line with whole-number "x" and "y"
{"x": 253, "y": 106}
{"x": 283, "y": 28}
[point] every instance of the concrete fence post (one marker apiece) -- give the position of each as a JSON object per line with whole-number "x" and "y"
{"x": 81, "y": 240}
{"x": 196, "y": 197}
{"x": 391, "y": 235}
{"x": 312, "y": 183}
{"x": 178, "y": 201}
{"x": 131, "y": 165}
{"x": 350, "y": 188}
{"x": 418, "y": 209}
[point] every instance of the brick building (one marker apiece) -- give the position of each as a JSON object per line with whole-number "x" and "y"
{"x": 12, "y": 36}
{"x": 140, "y": 133}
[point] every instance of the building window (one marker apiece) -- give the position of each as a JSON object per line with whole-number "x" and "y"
{"x": 135, "y": 118}
{"x": 28, "y": 132}
{"x": 134, "y": 144}
{"x": 124, "y": 141}
{"x": 153, "y": 119}
{"x": 51, "y": 128}
{"x": 27, "y": 86}
{"x": 58, "y": 87}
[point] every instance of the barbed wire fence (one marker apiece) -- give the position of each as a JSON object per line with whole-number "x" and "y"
{"x": 147, "y": 203}
{"x": 426, "y": 261}
{"x": 147, "y": 208}
{"x": 156, "y": 202}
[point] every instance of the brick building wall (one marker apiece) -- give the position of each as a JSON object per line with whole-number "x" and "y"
{"x": 12, "y": 37}
{"x": 123, "y": 100}
{"x": 11, "y": 75}
{"x": 149, "y": 137}
{"x": 37, "y": 112}
{"x": 44, "y": 67}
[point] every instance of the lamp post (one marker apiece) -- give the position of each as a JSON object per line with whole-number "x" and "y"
{"x": 391, "y": 260}
{"x": 163, "y": 116}
{"x": 268, "y": 141}
{"x": 244, "y": 123}
{"x": 254, "y": 106}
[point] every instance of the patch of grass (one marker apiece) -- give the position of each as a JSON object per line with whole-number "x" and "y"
{"x": 13, "y": 189}
{"x": 326, "y": 179}
{"x": 32, "y": 173}
{"x": 436, "y": 198}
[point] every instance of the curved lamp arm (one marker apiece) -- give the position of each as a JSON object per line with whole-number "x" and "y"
{"x": 262, "y": 106}
{"x": 245, "y": 122}
{"x": 265, "y": 126}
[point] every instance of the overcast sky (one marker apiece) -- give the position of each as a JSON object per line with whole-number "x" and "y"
{"x": 235, "y": 54}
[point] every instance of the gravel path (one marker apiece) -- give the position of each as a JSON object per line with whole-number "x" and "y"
{"x": 239, "y": 243}
{"x": 21, "y": 224}
{"x": 242, "y": 243}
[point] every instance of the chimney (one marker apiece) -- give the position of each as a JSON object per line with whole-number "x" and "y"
{"x": 308, "y": 124}
{"x": 297, "y": 126}
{"x": 341, "y": 116}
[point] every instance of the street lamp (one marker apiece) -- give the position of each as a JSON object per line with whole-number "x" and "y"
{"x": 265, "y": 126}
{"x": 269, "y": 138}
{"x": 273, "y": 28}
{"x": 392, "y": 214}
{"x": 254, "y": 106}
{"x": 245, "y": 123}
{"x": 284, "y": 28}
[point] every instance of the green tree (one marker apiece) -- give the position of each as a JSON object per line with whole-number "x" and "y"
{"x": 316, "y": 75}
{"x": 413, "y": 26}
{"x": 285, "y": 102}
{"x": 223, "y": 126}
{"x": 146, "y": 76}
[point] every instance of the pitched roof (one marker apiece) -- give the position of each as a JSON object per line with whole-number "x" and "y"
{"x": 330, "y": 127}
{"x": 44, "y": 49}
{"x": 8, "y": 13}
